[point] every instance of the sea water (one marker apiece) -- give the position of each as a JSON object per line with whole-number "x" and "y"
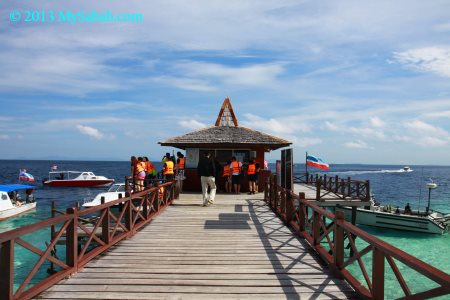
{"x": 389, "y": 183}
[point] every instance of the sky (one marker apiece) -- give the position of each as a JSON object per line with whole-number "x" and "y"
{"x": 364, "y": 82}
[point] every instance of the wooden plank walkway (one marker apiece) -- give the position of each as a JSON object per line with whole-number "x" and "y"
{"x": 235, "y": 249}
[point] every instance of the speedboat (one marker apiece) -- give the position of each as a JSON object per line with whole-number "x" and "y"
{"x": 11, "y": 203}
{"x": 116, "y": 191}
{"x": 407, "y": 169}
{"x": 76, "y": 179}
{"x": 401, "y": 219}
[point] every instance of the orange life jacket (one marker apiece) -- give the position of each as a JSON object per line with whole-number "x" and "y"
{"x": 226, "y": 171}
{"x": 251, "y": 169}
{"x": 168, "y": 167}
{"x": 149, "y": 167}
{"x": 180, "y": 164}
{"x": 236, "y": 167}
{"x": 140, "y": 166}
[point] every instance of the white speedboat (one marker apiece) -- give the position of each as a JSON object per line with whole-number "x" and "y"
{"x": 389, "y": 217}
{"x": 11, "y": 203}
{"x": 76, "y": 179}
{"x": 114, "y": 192}
{"x": 407, "y": 169}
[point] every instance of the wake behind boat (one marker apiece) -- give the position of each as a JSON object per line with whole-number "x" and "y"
{"x": 76, "y": 179}
{"x": 11, "y": 203}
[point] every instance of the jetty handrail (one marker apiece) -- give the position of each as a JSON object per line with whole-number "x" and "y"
{"x": 345, "y": 188}
{"x": 327, "y": 232}
{"x": 137, "y": 209}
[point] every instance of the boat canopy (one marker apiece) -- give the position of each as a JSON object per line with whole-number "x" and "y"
{"x": 15, "y": 187}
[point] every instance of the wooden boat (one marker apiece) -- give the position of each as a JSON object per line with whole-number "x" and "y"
{"x": 76, "y": 179}
{"x": 11, "y": 203}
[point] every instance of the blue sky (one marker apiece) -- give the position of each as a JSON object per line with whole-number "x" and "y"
{"x": 349, "y": 81}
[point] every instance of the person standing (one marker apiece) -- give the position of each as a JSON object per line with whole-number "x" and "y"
{"x": 206, "y": 170}
{"x": 168, "y": 168}
{"x": 226, "y": 175}
{"x": 251, "y": 173}
{"x": 236, "y": 169}
{"x": 180, "y": 169}
{"x": 140, "y": 174}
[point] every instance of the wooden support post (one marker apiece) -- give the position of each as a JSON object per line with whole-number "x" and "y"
{"x": 358, "y": 192}
{"x": 336, "y": 184}
{"x": 72, "y": 240}
{"x": 105, "y": 223}
{"x": 316, "y": 228}
{"x": 325, "y": 181}
{"x": 302, "y": 215}
{"x": 377, "y": 275}
{"x": 338, "y": 242}
{"x": 343, "y": 188}
{"x": 7, "y": 270}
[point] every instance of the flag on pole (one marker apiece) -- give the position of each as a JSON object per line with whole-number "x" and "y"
{"x": 54, "y": 168}
{"x": 23, "y": 175}
{"x": 316, "y": 162}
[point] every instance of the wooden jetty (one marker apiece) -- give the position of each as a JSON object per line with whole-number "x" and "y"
{"x": 235, "y": 249}
{"x": 158, "y": 247}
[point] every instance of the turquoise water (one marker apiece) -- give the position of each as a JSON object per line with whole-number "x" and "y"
{"x": 387, "y": 183}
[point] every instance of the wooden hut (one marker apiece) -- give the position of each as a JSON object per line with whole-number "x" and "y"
{"x": 224, "y": 140}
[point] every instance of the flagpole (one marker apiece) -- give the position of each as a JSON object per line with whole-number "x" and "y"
{"x": 306, "y": 166}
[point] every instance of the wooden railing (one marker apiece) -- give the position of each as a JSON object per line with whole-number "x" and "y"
{"x": 107, "y": 228}
{"x": 328, "y": 234}
{"x": 340, "y": 187}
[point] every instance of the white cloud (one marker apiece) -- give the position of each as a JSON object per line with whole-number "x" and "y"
{"x": 192, "y": 124}
{"x": 430, "y": 59}
{"x": 357, "y": 144}
{"x": 190, "y": 84}
{"x": 286, "y": 126}
{"x": 4, "y": 137}
{"x": 423, "y": 127}
{"x": 377, "y": 122}
{"x": 440, "y": 114}
{"x": 91, "y": 131}
{"x": 429, "y": 141}
{"x": 305, "y": 142}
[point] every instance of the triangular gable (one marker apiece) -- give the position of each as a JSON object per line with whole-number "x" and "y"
{"x": 226, "y": 115}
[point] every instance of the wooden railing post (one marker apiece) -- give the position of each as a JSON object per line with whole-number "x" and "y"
{"x": 358, "y": 192}
{"x": 343, "y": 188}
{"x": 105, "y": 223}
{"x": 283, "y": 205}
{"x": 318, "y": 186}
{"x": 7, "y": 270}
{"x": 72, "y": 240}
{"x": 316, "y": 229}
{"x": 290, "y": 211}
{"x": 336, "y": 184}
{"x": 338, "y": 241}
{"x": 302, "y": 216}
{"x": 349, "y": 187}
{"x": 128, "y": 214}
{"x": 377, "y": 274}
{"x": 367, "y": 190}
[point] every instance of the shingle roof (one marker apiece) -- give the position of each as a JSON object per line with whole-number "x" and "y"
{"x": 226, "y": 135}
{"x": 226, "y": 132}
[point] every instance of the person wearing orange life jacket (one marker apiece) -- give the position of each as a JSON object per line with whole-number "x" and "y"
{"x": 139, "y": 174}
{"x": 236, "y": 170}
{"x": 251, "y": 173}
{"x": 150, "y": 171}
{"x": 179, "y": 169}
{"x": 226, "y": 175}
{"x": 169, "y": 168}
